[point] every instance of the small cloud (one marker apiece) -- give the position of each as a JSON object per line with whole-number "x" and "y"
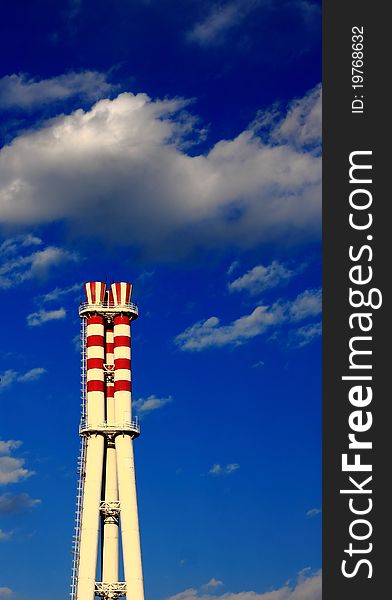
{"x": 306, "y": 334}
{"x": 313, "y": 512}
{"x": 43, "y": 316}
{"x": 76, "y": 342}
{"x": 234, "y": 265}
{"x": 22, "y": 91}
{"x": 218, "y": 469}
{"x": 213, "y": 583}
{"x": 210, "y": 333}
{"x": 12, "y": 245}
{"x": 7, "y": 378}
{"x": 6, "y": 447}
{"x": 6, "y": 592}
{"x": 221, "y": 19}
{"x": 146, "y": 405}
{"x": 32, "y": 375}
{"x": 10, "y": 376}
{"x": 307, "y": 587}
{"x": 16, "y": 266}
{"x": 11, "y": 468}
{"x": 258, "y": 364}
{"x": 15, "y": 503}
{"x": 58, "y": 293}
{"x": 5, "y": 536}
{"x": 307, "y": 304}
{"x": 261, "y": 278}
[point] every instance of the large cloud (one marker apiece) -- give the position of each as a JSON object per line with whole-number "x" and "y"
{"x": 121, "y": 172}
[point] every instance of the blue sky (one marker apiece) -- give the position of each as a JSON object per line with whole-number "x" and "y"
{"x": 175, "y": 145}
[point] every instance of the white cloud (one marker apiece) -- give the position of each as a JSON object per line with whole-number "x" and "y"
{"x": 261, "y": 278}
{"x": 211, "y": 333}
{"x": 32, "y": 375}
{"x": 146, "y": 405}
{"x": 10, "y": 376}
{"x": 124, "y": 161}
{"x": 13, "y": 245}
{"x": 219, "y": 21}
{"x": 313, "y": 512}
{"x": 5, "y": 536}
{"x": 6, "y": 592}
{"x": 305, "y": 588}
{"x": 302, "y": 124}
{"x": 306, "y": 334}
{"x": 43, "y": 316}
{"x": 15, "y": 503}
{"x": 227, "y": 15}
{"x": 233, "y": 267}
{"x": 6, "y": 447}
{"x": 22, "y": 91}
{"x": 307, "y": 304}
{"x": 212, "y": 583}
{"x": 58, "y": 293}
{"x": 16, "y": 266}
{"x": 12, "y": 469}
{"x": 218, "y": 469}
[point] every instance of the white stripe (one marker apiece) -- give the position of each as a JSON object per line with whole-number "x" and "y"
{"x": 95, "y": 375}
{"x": 123, "y": 292}
{"x": 122, "y": 375}
{"x": 88, "y": 293}
{"x": 95, "y": 352}
{"x": 114, "y": 292}
{"x": 122, "y": 352}
{"x": 95, "y": 329}
{"x": 122, "y": 329}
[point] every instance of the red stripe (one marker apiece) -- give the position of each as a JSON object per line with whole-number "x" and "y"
{"x": 122, "y": 386}
{"x": 110, "y": 391}
{"x": 95, "y": 386}
{"x": 109, "y": 347}
{"x": 93, "y": 292}
{"x": 121, "y": 320}
{"x": 122, "y": 363}
{"x": 95, "y": 340}
{"x": 95, "y": 363}
{"x": 121, "y": 341}
{"x": 118, "y": 290}
{"x": 128, "y": 293}
{"x": 95, "y": 319}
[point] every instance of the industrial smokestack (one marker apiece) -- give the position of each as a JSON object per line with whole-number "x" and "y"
{"x": 107, "y": 501}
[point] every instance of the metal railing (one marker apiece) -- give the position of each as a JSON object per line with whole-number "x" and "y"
{"x": 109, "y": 307}
{"x": 132, "y": 426}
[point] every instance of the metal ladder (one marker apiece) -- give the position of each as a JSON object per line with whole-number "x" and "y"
{"x": 81, "y": 466}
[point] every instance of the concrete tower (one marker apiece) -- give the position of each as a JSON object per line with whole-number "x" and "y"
{"x": 106, "y": 499}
